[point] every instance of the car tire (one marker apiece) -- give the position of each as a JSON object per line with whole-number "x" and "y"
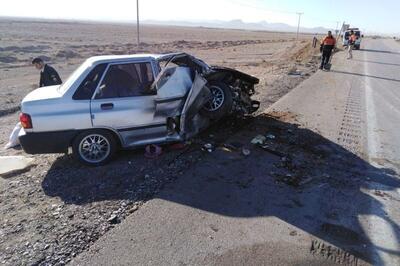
{"x": 221, "y": 103}
{"x": 94, "y": 147}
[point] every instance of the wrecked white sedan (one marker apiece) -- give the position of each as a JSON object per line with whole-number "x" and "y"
{"x": 114, "y": 102}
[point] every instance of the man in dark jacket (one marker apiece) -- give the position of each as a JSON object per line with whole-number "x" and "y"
{"x": 48, "y": 75}
{"x": 327, "y": 46}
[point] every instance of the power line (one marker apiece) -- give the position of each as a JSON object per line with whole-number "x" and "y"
{"x": 240, "y": 3}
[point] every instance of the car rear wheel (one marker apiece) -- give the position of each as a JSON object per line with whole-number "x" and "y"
{"x": 221, "y": 102}
{"x": 94, "y": 147}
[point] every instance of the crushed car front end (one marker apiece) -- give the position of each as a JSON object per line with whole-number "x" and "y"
{"x": 221, "y": 80}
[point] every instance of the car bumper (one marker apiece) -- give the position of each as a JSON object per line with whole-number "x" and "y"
{"x": 46, "y": 142}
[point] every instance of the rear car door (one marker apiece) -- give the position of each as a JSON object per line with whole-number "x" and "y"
{"x": 124, "y": 101}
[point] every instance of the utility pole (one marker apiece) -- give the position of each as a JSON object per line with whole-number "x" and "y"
{"x": 337, "y": 28}
{"x": 340, "y": 32}
{"x": 137, "y": 23}
{"x": 298, "y": 25}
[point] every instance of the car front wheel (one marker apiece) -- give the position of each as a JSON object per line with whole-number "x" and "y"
{"x": 94, "y": 147}
{"x": 221, "y": 102}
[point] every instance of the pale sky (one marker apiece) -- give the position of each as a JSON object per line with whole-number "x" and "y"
{"x": 369, "y": 15}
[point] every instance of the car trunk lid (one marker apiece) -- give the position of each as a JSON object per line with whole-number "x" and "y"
{"x": 43, "y": 93}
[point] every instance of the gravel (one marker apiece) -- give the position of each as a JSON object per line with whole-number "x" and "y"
{"x": 58, "y": 208}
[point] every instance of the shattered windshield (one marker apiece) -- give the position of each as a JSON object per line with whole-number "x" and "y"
{"x": 184, "y": 59}
{"x": 168, "y": 63}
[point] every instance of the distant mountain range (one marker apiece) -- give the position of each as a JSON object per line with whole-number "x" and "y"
{"x": 239, "y": 24}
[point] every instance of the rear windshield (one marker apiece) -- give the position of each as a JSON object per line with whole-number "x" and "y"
{"x": 357, "y": 33}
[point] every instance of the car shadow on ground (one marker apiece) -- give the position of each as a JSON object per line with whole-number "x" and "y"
{"x": 298, "y": 176}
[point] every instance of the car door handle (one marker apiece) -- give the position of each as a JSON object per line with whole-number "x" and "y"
{"x": 107, "y": 106}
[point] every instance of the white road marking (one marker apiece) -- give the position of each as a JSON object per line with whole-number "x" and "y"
{"x": 380, "y": 231}
{"x": 373, "y": 138}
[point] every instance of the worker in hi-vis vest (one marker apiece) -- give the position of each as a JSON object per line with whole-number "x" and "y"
{"x": 327, "y": 46}
{"x": 352, "y": 41}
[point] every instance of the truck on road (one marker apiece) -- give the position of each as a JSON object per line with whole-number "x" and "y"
{"x": 347, "y": 34}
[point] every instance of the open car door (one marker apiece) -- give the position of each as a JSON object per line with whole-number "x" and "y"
{"x": 173, "y": 85}
{"x": 191, "y": 121}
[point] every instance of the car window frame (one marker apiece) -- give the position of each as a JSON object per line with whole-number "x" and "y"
{"x": 90, "y": 71}
{"x": 109, "y": 64}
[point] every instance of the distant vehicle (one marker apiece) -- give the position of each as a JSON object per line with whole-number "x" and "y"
{"x": 122, "y": 102}
{"x": 358, "y": 34}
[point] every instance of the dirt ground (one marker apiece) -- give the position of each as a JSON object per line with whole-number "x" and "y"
{"x": 58, "y": 208}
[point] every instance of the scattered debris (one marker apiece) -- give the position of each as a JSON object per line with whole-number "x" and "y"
{"x": 133, "y": 209}
{"x": 152, "y": 151}
{"x": 258, "y": 140}
{"x": 14, "y": 164}
{"x": 273, "y": 151}
{"x": 208, "y": 147}
{"x": 91, "y": 195}
{"x": 225, "y": 149}
{"x": 245, "y": 151}
{"x": 233, "y": 146}
{"x": 295, "y": 73}
{"x": 113, "y": 219}
{"x": 271, "y": 136}
{"x": 380, "y": 193}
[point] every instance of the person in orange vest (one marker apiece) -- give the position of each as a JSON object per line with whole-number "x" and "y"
{"x": 327, "y": 46}
{"x": 352, "y": 41}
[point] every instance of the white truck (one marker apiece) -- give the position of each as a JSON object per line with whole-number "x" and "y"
{"x": 346, "y": 36}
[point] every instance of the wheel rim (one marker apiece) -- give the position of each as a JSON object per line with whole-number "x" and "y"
{"x": 218, "y": 98}
{"x": 94, "y": 148}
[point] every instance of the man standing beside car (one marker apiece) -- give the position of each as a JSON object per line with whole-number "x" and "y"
{"x": 352, "y": 41}
{"x": 327, "y": 46}
{"x": 48, "y": 75}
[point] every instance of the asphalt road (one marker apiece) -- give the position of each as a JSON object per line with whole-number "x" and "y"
{"x": 229, "y": 210}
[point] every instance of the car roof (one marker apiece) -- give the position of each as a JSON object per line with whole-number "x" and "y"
{"x": 119, "y": 58}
